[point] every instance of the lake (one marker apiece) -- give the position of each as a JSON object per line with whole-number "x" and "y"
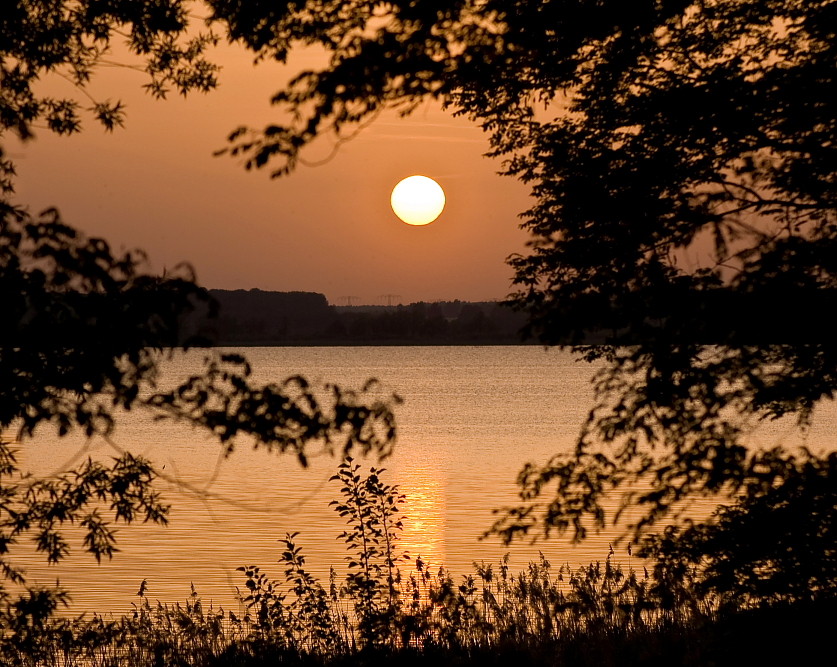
{"x": 471, "y": 417}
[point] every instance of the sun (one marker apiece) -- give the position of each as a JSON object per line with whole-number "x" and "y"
{"x": 418, "y": 200}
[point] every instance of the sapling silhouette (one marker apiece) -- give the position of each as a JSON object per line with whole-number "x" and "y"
{"x": 296, "y": 613}
{"x": 371, "y": 509}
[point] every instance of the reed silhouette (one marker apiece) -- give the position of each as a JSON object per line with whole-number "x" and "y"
{"x": 384, "y": 607}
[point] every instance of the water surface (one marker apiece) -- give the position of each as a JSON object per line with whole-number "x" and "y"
{"x": 471, "y": 417}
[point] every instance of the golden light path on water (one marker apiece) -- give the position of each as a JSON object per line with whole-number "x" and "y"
{"x": 424, "y": 524}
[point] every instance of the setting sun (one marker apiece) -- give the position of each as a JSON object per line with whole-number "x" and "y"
{"x": 418, "y": 200}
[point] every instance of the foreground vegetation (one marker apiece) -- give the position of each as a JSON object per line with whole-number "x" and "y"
{"x": 390, "y": 609}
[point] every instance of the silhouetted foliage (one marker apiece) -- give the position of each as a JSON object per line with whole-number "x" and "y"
{"x": 72, "y": 39}
{"x": 371, "y": 510}
{"x": 774, "y": 546}
{"x": 678, "y": 153}
{"x": 599, "y": 614}
{"x": 83, "y": 336}
{"x": 84, "y": 331}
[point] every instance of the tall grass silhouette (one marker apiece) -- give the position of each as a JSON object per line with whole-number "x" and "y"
{"x": 386, "y": 606}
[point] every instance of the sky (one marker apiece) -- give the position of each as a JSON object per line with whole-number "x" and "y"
{"x": 155, "y": 185}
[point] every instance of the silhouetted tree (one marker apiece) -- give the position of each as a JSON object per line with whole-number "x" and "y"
{"x": 83, "y": 330}
{"x": 71, "y": 39}
{"x": 677, "y": 150}
{"x": 775, "y": 546}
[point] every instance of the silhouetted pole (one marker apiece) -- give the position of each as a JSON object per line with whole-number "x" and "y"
{"x": 390, "y": 297}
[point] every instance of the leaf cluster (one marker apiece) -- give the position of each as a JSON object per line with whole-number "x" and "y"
{"x": 44, "y": 508}
{"x": 371, "y": 510}
{"x": 73, "y": 38}
{"x": 778, "y": 546}
{"x": 80, "y": 323}
{"x": 299, "y": 612}
{"x": 84, "y": 502}
{"x": 671, "y": 425}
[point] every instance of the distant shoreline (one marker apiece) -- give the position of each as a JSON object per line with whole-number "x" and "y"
{"x": 384, "y": 343}
{"x": 256, "y": 318}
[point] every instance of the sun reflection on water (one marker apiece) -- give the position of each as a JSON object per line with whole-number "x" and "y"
{"x": 424, "y": 511}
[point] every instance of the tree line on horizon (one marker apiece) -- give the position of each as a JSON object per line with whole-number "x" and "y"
{"x": 257, "y": 317}
{"x": 264, "y": 317}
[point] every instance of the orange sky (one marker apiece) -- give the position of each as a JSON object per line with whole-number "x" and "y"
{"x": 155, "y": 185}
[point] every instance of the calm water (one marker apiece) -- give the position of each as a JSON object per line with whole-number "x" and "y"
{"x": 472, "y": 417}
